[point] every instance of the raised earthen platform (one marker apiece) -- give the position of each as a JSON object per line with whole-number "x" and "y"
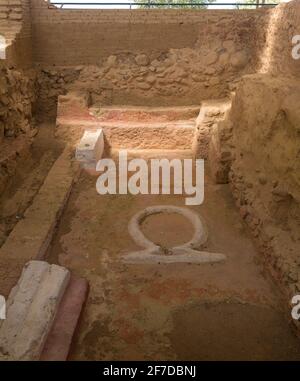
{"x": 133, "y": 128}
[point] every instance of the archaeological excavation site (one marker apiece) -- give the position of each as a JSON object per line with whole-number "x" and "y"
{"x": 149, "y": 182}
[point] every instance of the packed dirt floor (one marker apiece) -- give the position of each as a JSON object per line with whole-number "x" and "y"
{"x": 221, "y": 311}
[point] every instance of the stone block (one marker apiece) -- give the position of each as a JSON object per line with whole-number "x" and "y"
{"x": 15, "y": 16}
{"x": 3, "y": 15}
{"x": 31, "y": 310}
{"x": 91, "y": 146}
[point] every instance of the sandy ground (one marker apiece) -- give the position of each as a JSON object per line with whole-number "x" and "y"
{"x": 222, "y": 311}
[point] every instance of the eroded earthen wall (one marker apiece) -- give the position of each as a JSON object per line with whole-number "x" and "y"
{"x": 146, "y": 57}
{"x": 261, "y": 150}
{"x": 265, "y": 174}
{"x": 16, "y": 99}
{"x": 276, "y": 56}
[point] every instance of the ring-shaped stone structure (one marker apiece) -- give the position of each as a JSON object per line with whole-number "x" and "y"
{"x": 199, "y": 237}
{"x": 187, "y": 252}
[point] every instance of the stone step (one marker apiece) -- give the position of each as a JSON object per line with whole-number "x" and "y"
{"x": 148, "y": 154}
{"x": 91, "y": 146}
{"x": 127, "y": 127}
{"x": 144, "y": 114}
{"x": 170, "y": 135}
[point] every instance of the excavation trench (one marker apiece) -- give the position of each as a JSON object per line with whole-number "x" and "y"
{"x": 167, "y": 280}
{"x": 167, "y": 310}
{"x": 157, "y": 310}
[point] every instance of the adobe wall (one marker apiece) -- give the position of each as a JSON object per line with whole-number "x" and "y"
{"x": 15, "y": 26}
{"x": 145, "y": 57}
{"x": 82, "y": 37}
{"x": 119, "y": 56}
{"x": 17, "y": 78}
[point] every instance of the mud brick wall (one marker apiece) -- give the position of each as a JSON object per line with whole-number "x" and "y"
{"x": 11, "y": 10}
{"x": 145, "y": 57}
{"x": 15, "y": 27}
{"x": 75, "y": 37}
